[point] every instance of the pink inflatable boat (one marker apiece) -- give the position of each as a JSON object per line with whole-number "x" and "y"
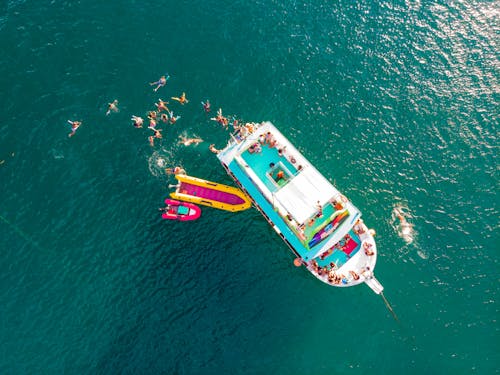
{"x": 182, "y": 211}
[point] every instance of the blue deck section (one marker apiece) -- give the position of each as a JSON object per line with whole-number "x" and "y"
{"x": 268, "y": 209}
{"x": 260, "y": 162}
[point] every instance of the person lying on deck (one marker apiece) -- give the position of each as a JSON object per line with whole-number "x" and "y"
{"x": 255, "y": 148}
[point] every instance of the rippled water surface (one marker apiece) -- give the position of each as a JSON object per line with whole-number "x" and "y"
{"x": 396, "y": 102}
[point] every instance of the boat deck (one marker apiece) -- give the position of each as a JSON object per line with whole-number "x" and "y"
{"x": 266, "y": 164}
{"x": 317, "y": 222}
{"x": 283, "y": 182}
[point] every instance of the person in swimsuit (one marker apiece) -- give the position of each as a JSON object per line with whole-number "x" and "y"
{"x": 152, "y": 119}
{"x": 161, "y": 105}
{"x": 221, "y": 119}
{"x": 206, "y": 106}
{"x": 138, "y": 121}
{"x": 213, "y": 149}
{"x": 112, "y": 107}
{"x": 157, "y": 133}
{"x": 173, "y": 119}
{"x": 354, "y": 275}
{"x": 161, "y": 82}
{"x": 189, "y": 141}
{"x": 404, "y": 229}
{"x": 152, "y": 123}
{"x": 320, "y": 210}
{"x": 182, "y": 99}
{"x": 74, "y": 127}
{"x": 176, "y": 170}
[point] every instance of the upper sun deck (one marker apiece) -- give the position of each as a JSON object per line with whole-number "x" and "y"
{"x": 310, "y": 208}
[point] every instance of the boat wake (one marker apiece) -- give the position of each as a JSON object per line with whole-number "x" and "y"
{"x": 159, "y": 161}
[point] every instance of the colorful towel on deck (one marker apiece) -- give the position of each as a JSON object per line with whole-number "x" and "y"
{"x": 328, "y": 229}
{"x": 350, "y": 246}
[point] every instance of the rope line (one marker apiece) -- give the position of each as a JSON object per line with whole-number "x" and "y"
{"x": 20, "y": 232}
{"x": 389, "y": 307}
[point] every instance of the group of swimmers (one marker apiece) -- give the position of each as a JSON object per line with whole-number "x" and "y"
{"x": 112, "y": 107}
{"x": 161, "y": 114}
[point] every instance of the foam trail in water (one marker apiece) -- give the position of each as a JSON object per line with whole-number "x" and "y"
{"x": 161, "y": 160}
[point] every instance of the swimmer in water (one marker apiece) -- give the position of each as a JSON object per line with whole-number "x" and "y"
{"x": 189, "y": 141}
{"x": 152, "y": 119}
{"x": 182, "y": 99}
{"x": 405, "y": 230}
{"x": 152, "y": 124}
{"x": 112, "y": 107}
{"x": 176, "y": 170}
{"x": 151, "y": 140}
{"x": 161, "y": 82}
{"x": 162, "y": 106}
{"x": 221, "y": 119}
{"x": 157, "y": 133}
{"x": 206, "y": 106}
{"x": 74, "y": 127}
{"x": 213, "y": 149}
{"x": 173, "y": 119}
{"x": 138, "y": 121}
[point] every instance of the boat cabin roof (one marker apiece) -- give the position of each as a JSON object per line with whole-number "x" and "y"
{"x": 300, "y": 196}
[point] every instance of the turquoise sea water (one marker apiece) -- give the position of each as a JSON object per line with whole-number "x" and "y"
{"x": 396, "y": 102}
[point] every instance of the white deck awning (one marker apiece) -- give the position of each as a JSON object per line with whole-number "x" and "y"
{"x": 300, "y": 196}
